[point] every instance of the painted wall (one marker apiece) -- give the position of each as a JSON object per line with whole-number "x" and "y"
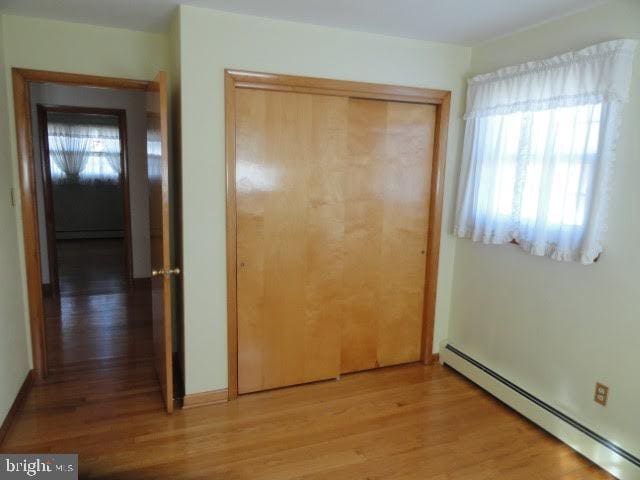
{"x": 88, "y": 210}
{"x": 211, "y": 41}
{"x": 71, "y": 47}
{"x": 134, "y": 104}
{"x": 556, "y": 328}
{"x": 14, "y": 348}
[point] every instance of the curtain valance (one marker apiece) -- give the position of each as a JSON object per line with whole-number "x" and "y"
{"x": 594, "y": 74}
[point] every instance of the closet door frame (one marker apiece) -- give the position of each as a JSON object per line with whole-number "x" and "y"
{"x": 441, "y": 99}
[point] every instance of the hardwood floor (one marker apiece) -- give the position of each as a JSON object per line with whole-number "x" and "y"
{"x": 103, "y": 401}
{"x": 91, "y": 266}
{"x": 408, "y": 422}
{"x": 98, "y": 316}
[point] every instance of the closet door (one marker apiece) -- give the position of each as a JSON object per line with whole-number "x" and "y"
{"x": 290, "y": 172}
{"x": 387, "y": 187}
{"x": 332, "y": 213}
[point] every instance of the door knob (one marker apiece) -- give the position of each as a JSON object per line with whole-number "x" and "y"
{"x": 157, "y": 273}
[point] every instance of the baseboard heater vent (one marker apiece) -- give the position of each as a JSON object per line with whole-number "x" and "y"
{"x": 545, "y": 406}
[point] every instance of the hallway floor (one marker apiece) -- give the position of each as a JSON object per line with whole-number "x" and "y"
{"x": 98, "y": 316}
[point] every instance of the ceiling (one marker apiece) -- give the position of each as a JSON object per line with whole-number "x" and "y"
{"x": 463, "y": 22}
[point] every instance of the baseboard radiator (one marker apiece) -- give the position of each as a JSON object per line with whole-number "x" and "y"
{"x": 600, "y": 450}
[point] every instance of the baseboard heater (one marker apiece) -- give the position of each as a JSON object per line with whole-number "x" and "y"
{"x": 600, "y": 450}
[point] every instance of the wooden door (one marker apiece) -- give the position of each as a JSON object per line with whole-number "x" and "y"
{"x": 332, "y": 211}
{"x": 386, "y": 198}
{"x": 289, "y": 242}
{"x": 159, "y": 223}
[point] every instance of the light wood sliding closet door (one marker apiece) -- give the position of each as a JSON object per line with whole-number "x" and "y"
{"x": 290, "y": 217}
{"x": 386, "y": 193}
{"x": 332, "y": 202}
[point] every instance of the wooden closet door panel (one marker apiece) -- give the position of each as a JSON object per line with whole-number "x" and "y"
{"x": 364, "y": 209}
{"x": 289, "y": 237}
{"x": 390, "y": 145}
{"x": 325, "y": 237}
{"x": 407, "y": 174}
{"x": 252, "y": 183}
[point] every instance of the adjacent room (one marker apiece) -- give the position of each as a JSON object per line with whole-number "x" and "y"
{"x": 276, "y": 240}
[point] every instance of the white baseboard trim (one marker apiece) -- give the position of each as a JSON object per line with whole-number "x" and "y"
{"x": 596, "y": 448}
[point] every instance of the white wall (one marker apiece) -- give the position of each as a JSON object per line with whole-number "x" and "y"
{"x": 553, "y": 328}
{"x": 133, "y": 102}
{"x": 63, "y": 47}
{"x": 211, "y": 41}
{"x": 14, "y": 352}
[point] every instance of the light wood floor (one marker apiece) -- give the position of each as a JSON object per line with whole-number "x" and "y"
{"x": 410, "y": 422}
{"x": 103, "y": 402}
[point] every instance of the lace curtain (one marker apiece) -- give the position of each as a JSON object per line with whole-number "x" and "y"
{"x": 68, "y": 149}
{"x": 82, "y": 152}
{"x": 109, "y": 138}
{"x": 538, "y": 149}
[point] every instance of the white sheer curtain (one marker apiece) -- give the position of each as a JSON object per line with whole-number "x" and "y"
{"x": 68, "y": 149}
{"x": 84, "y": 152}
{"x": 538, "y": 149}
{"x": 109, "y": 138}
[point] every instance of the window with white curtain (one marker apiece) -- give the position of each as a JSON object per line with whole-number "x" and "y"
{"x": 538, "y": 150}
{"x": 84, "y": 150}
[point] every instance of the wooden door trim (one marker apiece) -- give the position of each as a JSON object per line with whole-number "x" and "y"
{"x": 47, "y": 191}
{"x": 121, "y": 115}
{"x": 232, "y": 273}
{"x": 21, "y": 79}
{"x": 441, "y": 99}
{"x": 326, "y": 86}
{"x": 434, "y": 228}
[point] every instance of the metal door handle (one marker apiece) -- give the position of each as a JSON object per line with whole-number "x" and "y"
{"x": 167, "y": 272}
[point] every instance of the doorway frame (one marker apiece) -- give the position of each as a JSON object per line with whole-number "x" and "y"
{"x": 22, "y": 79}
{"x": 441, "y": 99}
{"x": 43, "y": 123}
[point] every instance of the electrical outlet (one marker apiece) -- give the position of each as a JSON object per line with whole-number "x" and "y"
{"x": 602, "y": 394}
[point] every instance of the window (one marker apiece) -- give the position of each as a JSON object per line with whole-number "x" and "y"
{"x": 570, "y": 134}
{"x": 539, "y": 143}
{"x": 84, "y": 152}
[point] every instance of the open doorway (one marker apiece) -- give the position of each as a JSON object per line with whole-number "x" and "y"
{"x": 88, "y": 279}
{"x": 85, "y": 196}
{"x": 94, "y": 171}
{"x": 91, "y": 145}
